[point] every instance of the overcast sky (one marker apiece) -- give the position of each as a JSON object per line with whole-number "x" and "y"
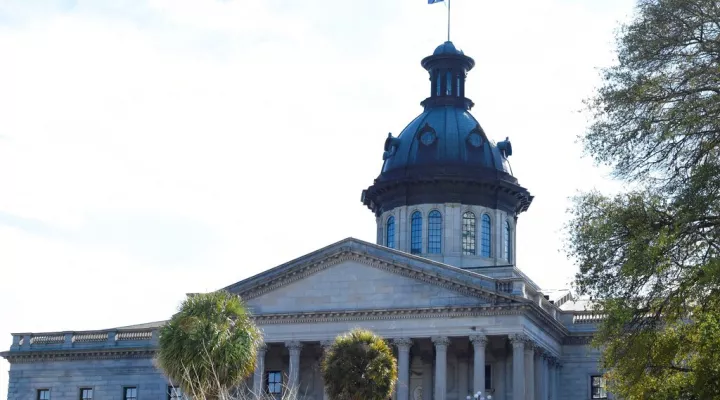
{"x": 153, "y": 148}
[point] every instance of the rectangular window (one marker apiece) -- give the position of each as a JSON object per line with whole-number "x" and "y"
{"x": 174, "y": 393}
{"x": 597, "y": 387}
{"x": 274, "y": 382}
{"x": 43, "y": 394}
{"x": 130, "y": 393}
{"x": 86, "y": 394}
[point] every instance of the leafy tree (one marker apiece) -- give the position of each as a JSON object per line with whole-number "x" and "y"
{"x": 649, "y": 257}
{"x": 359, "y": 366}
{"x": 210, "y": 345}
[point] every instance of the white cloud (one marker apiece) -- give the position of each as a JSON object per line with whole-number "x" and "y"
{"x": 149, "y": 149}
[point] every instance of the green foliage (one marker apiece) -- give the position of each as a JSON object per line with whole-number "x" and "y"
{"x": 359, "y": 366}
{"x": 650, "y": 257}
{"x": 210, "y": 345}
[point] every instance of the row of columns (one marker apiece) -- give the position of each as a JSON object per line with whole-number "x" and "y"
{"x": 535, "y": 372}
{"x": 441, "y": 344}
{"x": 294, "y": 347}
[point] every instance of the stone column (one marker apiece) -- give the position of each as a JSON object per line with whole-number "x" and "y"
{"x": 518, "y": 344}
{"x": 441, "y": 344}
{"x": 530, "y": 371}
{"x": 558, "y": 371}
{"x": 547, "y": 365}
{"x": 551, "y": 378}
{"x": 499, "y": 377}
{"x": 325, "y": 346}
{"x": 258, "y": 387}
{"x": 403, "y": 382}
{"x": 508, "y": 372}
{"x": 479, "y": 342}
{"x": 539, "y": 382}
{"x": 294, "y": 374}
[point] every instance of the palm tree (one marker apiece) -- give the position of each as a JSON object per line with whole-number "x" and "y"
{"x": 210, "y": 345}
{"x": 359, "y": 366}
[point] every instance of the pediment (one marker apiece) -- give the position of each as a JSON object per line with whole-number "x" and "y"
{"x": 351, "y": 285}
{"x": 348, "y": 278}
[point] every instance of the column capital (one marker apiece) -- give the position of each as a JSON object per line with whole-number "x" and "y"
{"x": 441, "y": 341}
{"x": 519, "y": 340}
{"x": 262, "y": 348}
{"x": 478, "y": 340}
{"x": 552, "y": 360}
{"x": 403, "y": 343}
{"x": 294, "y": 345}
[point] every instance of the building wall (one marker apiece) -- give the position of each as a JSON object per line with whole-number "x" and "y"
{"x": 106, "y": 377}
{"x": 580, "y": 362}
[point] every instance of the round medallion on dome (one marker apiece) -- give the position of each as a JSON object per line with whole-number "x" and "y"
{"x": 427, "y": 135}
{"x": 475, "y": 138}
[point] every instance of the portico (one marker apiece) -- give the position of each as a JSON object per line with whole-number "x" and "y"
{"x": 448, "y": 368}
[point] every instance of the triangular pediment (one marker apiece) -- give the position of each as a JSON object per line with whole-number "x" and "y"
{"x": 355, "y": 275}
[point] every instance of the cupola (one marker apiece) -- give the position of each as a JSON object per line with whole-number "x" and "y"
{"x": 445, "y": 190}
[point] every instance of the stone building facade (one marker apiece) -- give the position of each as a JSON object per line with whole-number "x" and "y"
{"x": 440, "y": 284}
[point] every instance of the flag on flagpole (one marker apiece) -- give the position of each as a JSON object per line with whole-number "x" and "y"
{"x": 435, "y": 1}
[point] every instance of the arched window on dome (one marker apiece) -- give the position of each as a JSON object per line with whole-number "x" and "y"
{"x": 485, "y": 236}
{"x": 434, "y": 232}
{"x": 438, "y": 83}
{"x": 457, "y": 86}
{"x": 448, "y": 83}
{"x": 416, "y": 233}
{"x": 468, "y": 233}
{"x": 507, "y": 241}
{"x": 390, "y": 232}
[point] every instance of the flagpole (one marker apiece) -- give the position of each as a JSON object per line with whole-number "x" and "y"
{"x": 448, "y": 4}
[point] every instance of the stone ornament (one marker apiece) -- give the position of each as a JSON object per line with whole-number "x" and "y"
{"x": 441, "y": 341}
{"x": 294, "y": 345}
{"x": 479, "y": 340}
{"x": 403, "y": 343}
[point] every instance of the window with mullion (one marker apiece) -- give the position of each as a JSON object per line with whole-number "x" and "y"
{"x": 390, "y": 233}
{"x": 130, "y": 393}
{"x": 274, "y": 382}
{"x": 86, "y": 394}
{"x": 434, "y": 232}
{"x": 507, "y": 243}
{"x": 174, "y": 393}
{"x": 485, "y": 236}
{"x": 43, "y": 394}
{"x": 468, "y": 234}
{"x": 597, "y": 387}
{"x": 416, "y": 233}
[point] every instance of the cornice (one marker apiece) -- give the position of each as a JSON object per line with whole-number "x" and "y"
{"x": 22, "y": 357}
{"x": 300, "y": 272}
{"x": 390, "y": 314}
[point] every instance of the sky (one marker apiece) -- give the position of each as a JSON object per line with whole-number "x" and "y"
{"x": 153, "y": 148}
